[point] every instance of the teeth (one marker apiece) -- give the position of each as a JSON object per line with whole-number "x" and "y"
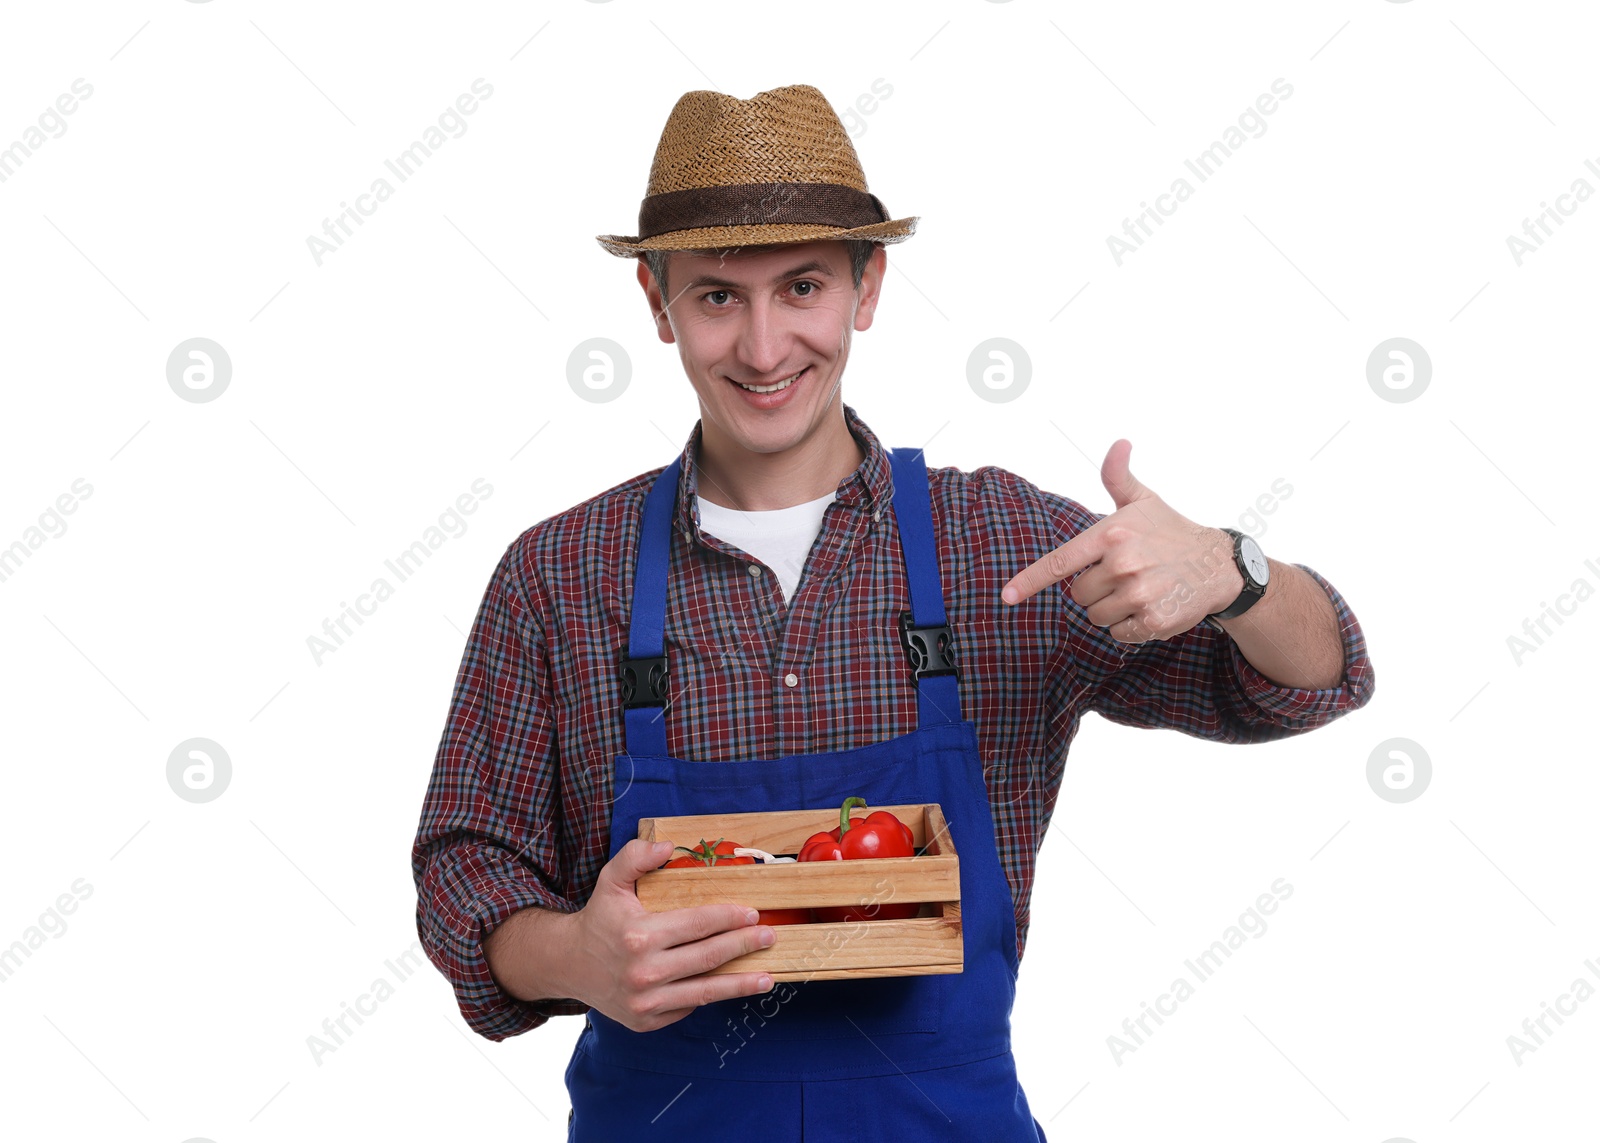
{"x": 784, "y": 384}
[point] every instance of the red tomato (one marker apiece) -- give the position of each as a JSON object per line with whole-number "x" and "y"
{"x": 710, "y": 855}
{"x": 707, "y": 853}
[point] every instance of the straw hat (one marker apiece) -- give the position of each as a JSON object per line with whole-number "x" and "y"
{"x": 779, "y": 167}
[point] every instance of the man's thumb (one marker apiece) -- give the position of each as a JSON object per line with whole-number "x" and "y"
{"x": 1122, "y": 484}
{"x": 636, "y": 858}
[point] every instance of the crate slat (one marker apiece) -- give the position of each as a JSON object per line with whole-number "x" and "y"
{"x": 838, "y": 950}
{"x": 804, "y": 884}
{"x": 777, "y": 832}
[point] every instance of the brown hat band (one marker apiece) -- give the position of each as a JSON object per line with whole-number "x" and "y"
{"x": 755, "y": 204}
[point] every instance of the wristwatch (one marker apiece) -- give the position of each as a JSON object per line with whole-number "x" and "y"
{"x": 1252, "y": 565}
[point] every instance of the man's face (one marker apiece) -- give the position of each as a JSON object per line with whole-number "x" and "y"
{"x": 759, "y": 317}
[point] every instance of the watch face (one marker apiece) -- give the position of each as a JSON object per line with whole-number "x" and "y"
{"x": 1254, "y": 561}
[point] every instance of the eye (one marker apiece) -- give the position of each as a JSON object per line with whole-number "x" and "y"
{"x": 713, "y": 294}
{"x": 811, "y": 288}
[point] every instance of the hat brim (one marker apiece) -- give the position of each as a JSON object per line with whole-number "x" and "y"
{"x": 724, "y": 237}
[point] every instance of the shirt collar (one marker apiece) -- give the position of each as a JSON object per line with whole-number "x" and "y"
{"x": 869, "y": 487}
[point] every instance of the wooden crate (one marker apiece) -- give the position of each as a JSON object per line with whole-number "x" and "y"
{"x": 828, "y": 950}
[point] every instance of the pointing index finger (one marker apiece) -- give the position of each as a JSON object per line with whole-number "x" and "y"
{"x": 1073, "y": 556}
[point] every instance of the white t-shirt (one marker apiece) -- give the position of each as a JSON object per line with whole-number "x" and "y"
{"x": 781, "y": 538}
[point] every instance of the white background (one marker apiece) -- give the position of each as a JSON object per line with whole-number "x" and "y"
{"x": 369, "y": 391}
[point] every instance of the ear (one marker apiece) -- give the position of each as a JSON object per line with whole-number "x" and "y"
{"x": 652, "y": 293}
{"x": 870, "y": 288}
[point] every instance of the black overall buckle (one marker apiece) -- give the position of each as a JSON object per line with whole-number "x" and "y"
{"x": 644, "y": 682}
{"x": 929, "y": 650}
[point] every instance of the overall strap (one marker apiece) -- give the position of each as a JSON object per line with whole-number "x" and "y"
{"x": 924, "y": 632}
{"x": 644, "y": 667}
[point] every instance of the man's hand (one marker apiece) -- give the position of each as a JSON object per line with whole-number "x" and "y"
{"x": 1151, "y": 573}
{"x": 647, "y": 970}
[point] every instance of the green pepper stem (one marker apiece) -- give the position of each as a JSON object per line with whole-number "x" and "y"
{"x": 844, "y": 814}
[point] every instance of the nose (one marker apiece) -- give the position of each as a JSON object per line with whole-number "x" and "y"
{"x": 763, "y": 340}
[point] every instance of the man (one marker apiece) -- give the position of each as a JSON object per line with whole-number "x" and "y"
{"x": 748, "y": 694}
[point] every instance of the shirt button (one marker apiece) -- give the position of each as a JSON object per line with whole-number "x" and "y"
{"x": 877, "y": 513}
{"x": 791, "y": 679}
{"x": 755, "y": 569}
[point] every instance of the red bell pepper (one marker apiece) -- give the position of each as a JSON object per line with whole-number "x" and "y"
{"x": 879, "y": 834}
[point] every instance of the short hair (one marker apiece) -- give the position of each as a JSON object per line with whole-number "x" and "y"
{"x": 860, "y": 250}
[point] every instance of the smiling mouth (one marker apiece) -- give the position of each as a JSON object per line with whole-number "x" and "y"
{"x": 784, "y": 384}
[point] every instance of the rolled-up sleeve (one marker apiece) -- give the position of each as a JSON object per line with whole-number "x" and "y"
{"x": 1257, "y": 697}
{"x": 488, "y": 841}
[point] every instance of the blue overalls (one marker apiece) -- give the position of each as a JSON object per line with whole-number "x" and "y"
{"x": 923, "y": 1057}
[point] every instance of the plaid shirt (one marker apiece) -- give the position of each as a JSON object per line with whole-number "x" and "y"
{"x": 518, "y": 809}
